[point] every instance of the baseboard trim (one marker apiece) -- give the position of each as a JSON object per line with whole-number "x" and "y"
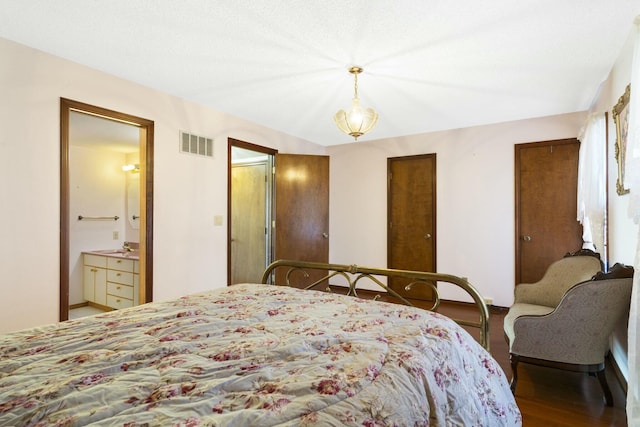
{"x": 79, "y": 305}
{"x": 100, "y": 306}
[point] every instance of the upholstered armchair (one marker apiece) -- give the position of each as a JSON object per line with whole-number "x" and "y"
{"x": 568, "y": 326}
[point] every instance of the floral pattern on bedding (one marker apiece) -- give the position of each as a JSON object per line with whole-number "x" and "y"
{"x": 253, "y": 355}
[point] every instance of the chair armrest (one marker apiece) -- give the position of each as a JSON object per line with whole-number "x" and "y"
{"x": 519, "y": 310}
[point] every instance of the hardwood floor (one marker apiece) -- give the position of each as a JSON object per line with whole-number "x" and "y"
{"x": 551, "y": 397}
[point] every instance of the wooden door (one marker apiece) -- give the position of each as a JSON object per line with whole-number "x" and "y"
{"x": 302, "y": 209}
{"x": 411, "y": 204}
{"x": 248, "y": 222}
{"x": 546, "y": 205}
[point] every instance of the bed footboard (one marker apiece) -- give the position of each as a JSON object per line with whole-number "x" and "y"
{"x": 354, "y": 275}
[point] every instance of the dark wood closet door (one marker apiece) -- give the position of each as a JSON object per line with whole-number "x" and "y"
{"x": 302, "y": 210}
{"x": 411, "y": 204}
{"x": 546, "y": 205}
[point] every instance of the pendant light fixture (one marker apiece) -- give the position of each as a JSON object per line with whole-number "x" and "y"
{"x": 357, "y": 121}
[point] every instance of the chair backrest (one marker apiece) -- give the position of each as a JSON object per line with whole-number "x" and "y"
{"x": 565, "y": 273}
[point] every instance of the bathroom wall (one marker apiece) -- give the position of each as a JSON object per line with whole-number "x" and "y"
{"x": 97, "y": 188}
{"x": 132, "y": 200}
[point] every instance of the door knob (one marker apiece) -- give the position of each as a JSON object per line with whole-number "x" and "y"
{"x": 427, "y": 236}
{"x": 325, "y": 235}
{"x": 526, "y": 238}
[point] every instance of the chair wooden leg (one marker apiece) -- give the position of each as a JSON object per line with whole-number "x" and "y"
{"x": 605, "y": 387}
{"x": 514, "y": 370}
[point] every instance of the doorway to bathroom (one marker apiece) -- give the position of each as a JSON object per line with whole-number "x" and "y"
{"x": 106, "y": 208}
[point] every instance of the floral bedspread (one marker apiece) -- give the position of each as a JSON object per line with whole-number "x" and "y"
{"x": 253, "y": 355}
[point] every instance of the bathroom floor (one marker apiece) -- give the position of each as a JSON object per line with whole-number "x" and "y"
{"x": 83, "y": 311}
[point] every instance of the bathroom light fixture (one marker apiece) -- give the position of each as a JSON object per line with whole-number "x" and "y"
{"x": 131, "y": 168}
{"x": 357, "y": 121}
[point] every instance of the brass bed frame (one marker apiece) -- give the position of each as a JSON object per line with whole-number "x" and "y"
{"x": 353, "y": 274}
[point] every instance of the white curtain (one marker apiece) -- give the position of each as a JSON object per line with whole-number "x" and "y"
{"x": 592, "y": 181}
{"x": 632, "y": 181}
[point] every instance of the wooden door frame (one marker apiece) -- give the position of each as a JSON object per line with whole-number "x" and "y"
{"x": 232, "y": 142}
{"x": 146, "y": 220}
{"x": 517, "y": 177}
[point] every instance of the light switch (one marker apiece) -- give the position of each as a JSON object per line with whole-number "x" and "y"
{"x": 217, "y": 220}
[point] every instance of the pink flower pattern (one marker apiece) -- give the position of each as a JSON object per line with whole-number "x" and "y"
{"x": 253, "y": 354}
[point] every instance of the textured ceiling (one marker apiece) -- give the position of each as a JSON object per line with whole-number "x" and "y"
{"x": 428, "y": 64}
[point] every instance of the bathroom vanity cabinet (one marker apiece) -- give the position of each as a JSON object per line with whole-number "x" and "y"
{"x": 111, "y": 281}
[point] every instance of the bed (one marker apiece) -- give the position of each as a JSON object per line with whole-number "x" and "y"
{"x": 261, "y": 354}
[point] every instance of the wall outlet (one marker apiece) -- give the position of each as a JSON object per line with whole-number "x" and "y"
{"x": 116, "y": 235}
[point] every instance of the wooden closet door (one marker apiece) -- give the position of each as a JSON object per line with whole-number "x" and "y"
{"x": 546, "y": 205}
{"x": 302, "y": 209}
{"x": 411, "y": 204}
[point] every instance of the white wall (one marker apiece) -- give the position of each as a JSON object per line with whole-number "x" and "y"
{"x": 475, "y": 198}
{"x": 623, "y": 234}
{"x": 189, "y": 251}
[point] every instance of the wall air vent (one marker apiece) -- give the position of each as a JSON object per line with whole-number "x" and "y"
{"x": 194, "y": 144}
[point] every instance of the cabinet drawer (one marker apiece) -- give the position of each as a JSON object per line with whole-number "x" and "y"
{"x": 95, "y": 260}
{"x": 120, "y": 264}
{"x": 120, "y": 277}
{"x": 119, "y": 290}
{"x": 118, "y": 302}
